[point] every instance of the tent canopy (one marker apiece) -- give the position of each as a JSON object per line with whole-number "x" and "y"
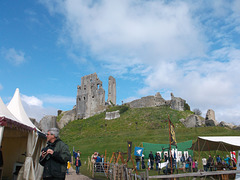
{"x": 17, "y": 141}
{"x": 16, "y": 108}
{"x": 213, "y": 143}
{"x": 8, "y": 119}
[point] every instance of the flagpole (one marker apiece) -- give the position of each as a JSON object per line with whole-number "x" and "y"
{"x": 170, "y": 148}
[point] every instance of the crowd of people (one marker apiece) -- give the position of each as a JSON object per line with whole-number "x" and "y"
{"x": 185, "y": 163}
{"x": 218, "y": 163}
{"x": 57, "y": 156}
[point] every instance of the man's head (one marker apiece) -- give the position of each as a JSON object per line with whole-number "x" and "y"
{"x": 52, "y": 134}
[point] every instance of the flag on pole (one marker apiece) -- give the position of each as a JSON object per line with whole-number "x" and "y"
{"x": 172, "y": 134}
{"x": 138, "y": 151}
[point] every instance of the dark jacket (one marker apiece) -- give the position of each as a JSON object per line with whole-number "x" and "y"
{"x": 79, "y": 163}
{"x": 151, "y": 157}
{"x": 55, "y": 165}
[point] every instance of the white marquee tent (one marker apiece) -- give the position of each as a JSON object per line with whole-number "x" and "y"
{"x": 21, "y": 141}
{"x": 222, "y": 143}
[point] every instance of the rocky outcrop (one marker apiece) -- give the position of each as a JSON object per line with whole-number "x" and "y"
{"x": 48, "y": 122}
{"x": 210, "y": 118}
{"x": 112, "y": 115}
{"x": 236, "y": 128}
{"x": 224, "y": 124}
{"x": 66, "y": 117}
{"x": 193, "y": 121}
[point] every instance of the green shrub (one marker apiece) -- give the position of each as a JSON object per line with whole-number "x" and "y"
{"x": 123, "y": 108}
{"x": 186, "y": 107}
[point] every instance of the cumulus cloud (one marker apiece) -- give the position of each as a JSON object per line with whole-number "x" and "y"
{"x": 36, "y": 107}
{"x": 187, "y": 48}
{"x": 127, "y": 29}
{"x": 16, "y": 57}
{"x": 32, "y": 100}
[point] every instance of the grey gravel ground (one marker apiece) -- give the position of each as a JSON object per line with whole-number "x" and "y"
{"x": 73, "y": 176}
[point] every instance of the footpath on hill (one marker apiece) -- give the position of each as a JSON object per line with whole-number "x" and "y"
{"x": 73, "y": 176}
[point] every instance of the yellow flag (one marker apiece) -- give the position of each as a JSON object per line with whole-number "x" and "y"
{"x": 172, "y": 134}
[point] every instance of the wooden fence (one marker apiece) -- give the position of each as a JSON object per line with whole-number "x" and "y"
{"x": 115, "y": 171}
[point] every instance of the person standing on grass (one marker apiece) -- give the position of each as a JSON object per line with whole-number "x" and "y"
{"x": 204, "y": 163}
{"x": 137, "y": 162}
{"x": 151, "y": 159}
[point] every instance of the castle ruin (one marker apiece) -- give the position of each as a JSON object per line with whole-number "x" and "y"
{"x": 176, "y": 103}
{"x": 111, "y": 90}
{"x": 91, "y": 96}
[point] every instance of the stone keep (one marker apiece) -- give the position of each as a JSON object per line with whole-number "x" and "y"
{"x": 90, "y": 97}
{"x": 111, "y": 90}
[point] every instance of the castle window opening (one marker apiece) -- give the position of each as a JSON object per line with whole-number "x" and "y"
{"x": 92, "y": 96}
{"x": 84, "y": 98}
{"x": 79, "y": 99}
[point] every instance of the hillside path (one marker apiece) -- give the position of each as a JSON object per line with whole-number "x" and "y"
{"x": 73, "y": 176}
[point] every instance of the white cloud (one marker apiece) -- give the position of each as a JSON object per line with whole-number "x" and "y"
{"x": 32, "y": 100}
{"x": 187, "y": 48}
{"x": 13, "y": 56}
{"x": 132, "y": 32}
{"x": 36, "y": 108}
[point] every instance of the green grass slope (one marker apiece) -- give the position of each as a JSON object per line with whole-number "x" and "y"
{"x": 136, "y": 125}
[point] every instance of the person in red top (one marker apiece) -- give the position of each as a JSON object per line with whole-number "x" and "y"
{"x": 77, "y": 164}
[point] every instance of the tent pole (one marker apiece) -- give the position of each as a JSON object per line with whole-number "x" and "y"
{"x": 170, "y": 148}
{"x": 198, "y": 152}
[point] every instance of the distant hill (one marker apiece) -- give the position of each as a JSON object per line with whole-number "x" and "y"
{"x": 136, "y": 125}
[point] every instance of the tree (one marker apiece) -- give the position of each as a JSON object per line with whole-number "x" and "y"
{"x": 197, "y": 112}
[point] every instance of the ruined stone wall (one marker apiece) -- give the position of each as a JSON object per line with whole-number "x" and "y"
{"x": 90, "y": 97}
{"x": 177, "y": 103}
{"x": 157, "y": 100}
{"x": 148, "y": 101}
{"x": 111, "y": 90}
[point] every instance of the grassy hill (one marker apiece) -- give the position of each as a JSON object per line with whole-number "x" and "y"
{"x": 136, "y": 125}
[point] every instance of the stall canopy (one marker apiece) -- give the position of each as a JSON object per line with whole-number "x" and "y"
{"x": 16, "y": 108}
{"x": 213, "y": 143}
{"x": 20, "y": 137}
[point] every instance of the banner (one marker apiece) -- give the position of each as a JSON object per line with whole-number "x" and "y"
{"x": 233, "y": 156}
{"x": 138, "y": 151}
{"x": 172, "y": 134}
{"x": 238, "y": 167}
{"x": 129, "y": 149}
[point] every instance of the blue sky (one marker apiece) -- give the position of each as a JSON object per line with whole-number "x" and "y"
{"x": 189, "y": 48}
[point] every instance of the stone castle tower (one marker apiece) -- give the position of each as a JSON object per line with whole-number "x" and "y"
{"x": 111, "y": 90}
{"x": 91, "y": 96}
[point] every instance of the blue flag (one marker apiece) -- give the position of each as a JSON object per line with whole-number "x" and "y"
{"x": 138, "y": 151}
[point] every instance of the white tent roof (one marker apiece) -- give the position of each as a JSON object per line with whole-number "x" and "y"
{"x": 16, "y": 108}
{"x": 4, "y": 112}
{"x": 223, "y": 143}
